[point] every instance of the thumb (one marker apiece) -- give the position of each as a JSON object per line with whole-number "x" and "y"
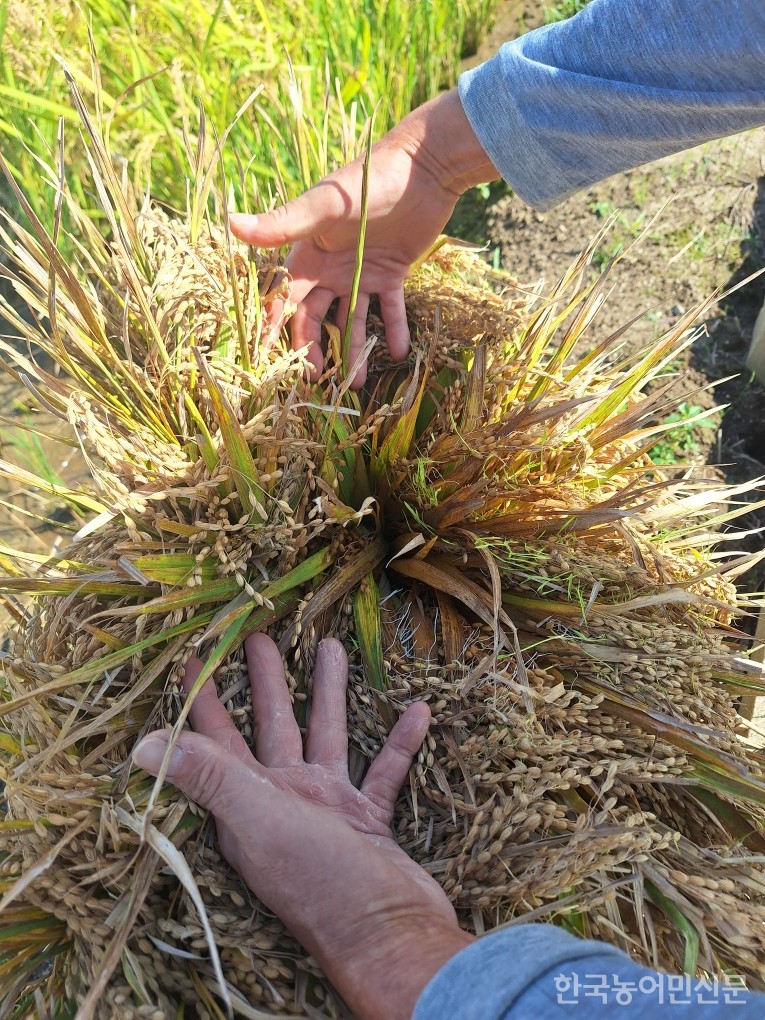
{"x": 310, "y": 214}
{"x": 200, "y": 768}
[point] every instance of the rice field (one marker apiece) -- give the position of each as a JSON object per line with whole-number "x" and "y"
{"x": 320, "y": 68}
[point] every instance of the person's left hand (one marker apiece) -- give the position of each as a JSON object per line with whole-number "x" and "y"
{"x": 313, "y": 848}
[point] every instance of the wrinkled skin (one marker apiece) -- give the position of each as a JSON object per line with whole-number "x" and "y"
{"x": 417, "y": 172}
{"x": 317, "y": 851}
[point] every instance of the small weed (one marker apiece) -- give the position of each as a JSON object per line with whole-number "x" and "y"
{"x": 639, "y": 185}
{"x": 602, "y": 209}
{"x": 607, "y": 253}
{"x": 625, "y": 228}
{"x": 625, "y": 221}
{"x": 679, "y": 442}
{"x": 686, "y": 239}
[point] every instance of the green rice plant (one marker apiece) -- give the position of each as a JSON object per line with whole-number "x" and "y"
{"x": 679, "y": 441}
{"x": 321, "y": 67}
{"x": 24, "y": 446}
{"x": 481, "y": 525}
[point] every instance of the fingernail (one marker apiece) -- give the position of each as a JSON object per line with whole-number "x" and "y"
{"x": 331, "y": 649}
{"x": 332, "y": 652}
{"x": 150, "y": 754}
{"x": 237, "y": 218}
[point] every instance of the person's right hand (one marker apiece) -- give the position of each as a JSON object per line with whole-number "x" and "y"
{"x": 417, "y": 173}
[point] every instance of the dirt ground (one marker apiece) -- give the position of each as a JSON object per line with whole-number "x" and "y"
{"x": 701, "y": 215}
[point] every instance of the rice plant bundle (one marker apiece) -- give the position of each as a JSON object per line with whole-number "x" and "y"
{"x": 484, "y": 530}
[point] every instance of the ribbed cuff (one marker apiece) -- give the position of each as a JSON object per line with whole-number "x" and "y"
{"x": 504, "y": 132}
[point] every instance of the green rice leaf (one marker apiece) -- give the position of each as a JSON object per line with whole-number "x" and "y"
{"x": 353, "y": 298}
{"x": 366, "y": 612}
{"x": 238, "y": 452}
{"x": 687, "y": 930}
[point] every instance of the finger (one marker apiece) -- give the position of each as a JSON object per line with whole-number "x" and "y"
{"x": 284, "y": 295}
{"x": 327, "y": 738}
{"x": 208, "y": 775}
{"x": 393, "y": 313}
{"x": 310, "y": 214}
{"x": 208, "y": 716}
{"x": 305, "y": 326}
{"x": 277, "y": 736}
{"x": 274, "y": 316}
{"x": 358, "y": 336}
{"x": 388, "y": 771}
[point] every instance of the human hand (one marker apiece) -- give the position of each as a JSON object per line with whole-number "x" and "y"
{"x": 326, "y": 861}
{"x": 417, "y": 172}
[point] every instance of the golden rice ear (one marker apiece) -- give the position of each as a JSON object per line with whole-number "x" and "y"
{"x": 484, "y": 529}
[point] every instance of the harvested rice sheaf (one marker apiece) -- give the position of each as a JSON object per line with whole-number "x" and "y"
{"x": 484, "y": 530}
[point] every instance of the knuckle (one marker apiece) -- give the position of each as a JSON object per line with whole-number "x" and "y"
{"x": 383, "y": 793}
{"x": 400, "y": 747}
{"x": 280, "y": 214}
{"x": 278, "y": 220}
{"x": 205, "y": 779}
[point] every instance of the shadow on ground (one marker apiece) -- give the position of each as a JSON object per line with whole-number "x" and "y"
{"x": 740, "y": 450}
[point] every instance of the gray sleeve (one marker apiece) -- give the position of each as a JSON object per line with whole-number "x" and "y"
{"x": 622, "y": 83}
{"x": 539, "y": 972}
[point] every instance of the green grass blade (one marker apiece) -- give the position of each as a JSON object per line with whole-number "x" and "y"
{"x": 366, "y": 613}
{"x": 240, "y": 459}
{"x": 359, "y": 251}
{"x": 688, "y": 931}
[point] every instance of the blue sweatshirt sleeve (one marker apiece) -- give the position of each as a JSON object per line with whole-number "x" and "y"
{"x": 622, "y": 83}
{"x": 540, "y": 972}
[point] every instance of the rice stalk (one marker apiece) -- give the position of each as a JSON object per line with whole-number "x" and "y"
{"x": 482, "y": 527}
